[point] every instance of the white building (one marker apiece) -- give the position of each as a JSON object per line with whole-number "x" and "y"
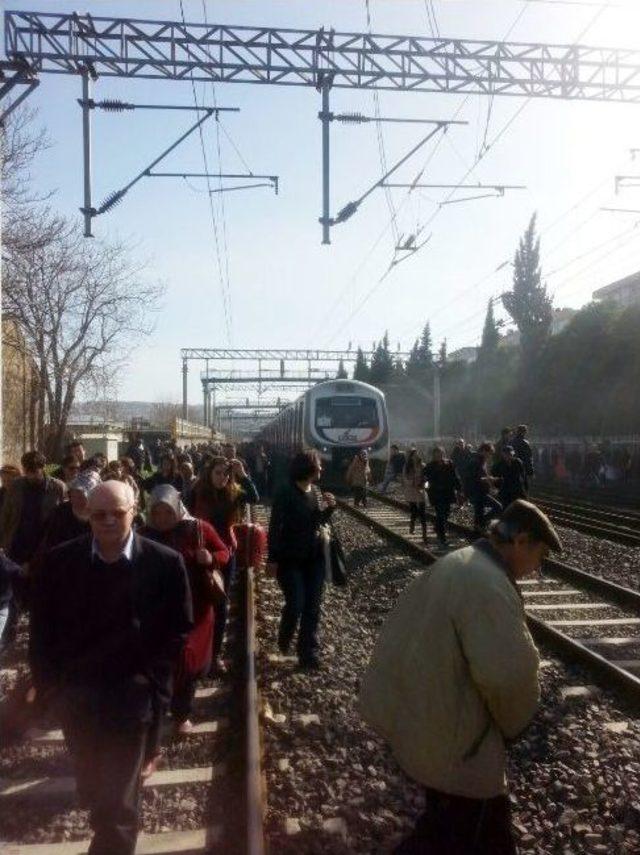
{"x": 625, "y": 292}
{"x": 559, "y": 321}
{"x": 464, "y": 354}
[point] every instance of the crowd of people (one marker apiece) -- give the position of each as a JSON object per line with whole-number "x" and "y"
{"x": 125, "y": 573}
{"x": 490, "y": 478}
{"x": 125, "y": 576}
{"x": 587, "y": 464}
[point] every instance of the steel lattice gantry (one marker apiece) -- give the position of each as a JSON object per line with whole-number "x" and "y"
{"x": 274, "y": 354}
{"x": 260, "y": 377}
{"x": 123, "y": 47}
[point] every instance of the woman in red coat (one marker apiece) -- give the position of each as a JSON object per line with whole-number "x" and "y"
{"x": 220, "y": 496}
{"x": 203, "y": 552}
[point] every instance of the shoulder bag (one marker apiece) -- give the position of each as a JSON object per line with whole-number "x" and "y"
{"x": 214, "y": 581}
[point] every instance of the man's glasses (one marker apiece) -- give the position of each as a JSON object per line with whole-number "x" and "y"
{"x": 101, "y": 516}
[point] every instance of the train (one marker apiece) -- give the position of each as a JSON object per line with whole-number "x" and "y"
{"x": 337, "y": 418}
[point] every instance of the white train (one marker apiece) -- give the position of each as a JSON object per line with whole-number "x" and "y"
{"x": 337, "y": 418}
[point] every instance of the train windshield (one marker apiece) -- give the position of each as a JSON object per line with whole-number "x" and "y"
{"x": 346, "y": 412}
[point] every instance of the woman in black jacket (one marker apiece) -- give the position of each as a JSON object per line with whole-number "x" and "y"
{"x": 443, "y": 488}
{"x": 296, "y": 555}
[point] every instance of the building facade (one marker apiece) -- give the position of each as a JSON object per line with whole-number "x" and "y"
{"x": 624, "y": 293}
{"x": 21, "y": 398}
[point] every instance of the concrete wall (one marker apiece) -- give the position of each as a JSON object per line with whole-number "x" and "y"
{"x": 19, "y": 395}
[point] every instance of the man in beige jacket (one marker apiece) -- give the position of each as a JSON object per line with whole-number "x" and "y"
{"x": 453, "y": 675}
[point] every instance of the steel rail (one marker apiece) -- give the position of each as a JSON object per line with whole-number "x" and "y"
{"x": 568, "y": 648}
{"x": 586, "y": 508}
{"x": 608, "y": 531}
{"x": 254, "y": 788}
{"x": 552, "y": 567}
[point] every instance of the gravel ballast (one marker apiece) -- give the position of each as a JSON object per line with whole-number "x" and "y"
{"x": 332, "y": 785}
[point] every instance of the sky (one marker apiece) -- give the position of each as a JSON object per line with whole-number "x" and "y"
{"x": 272, "y": 283}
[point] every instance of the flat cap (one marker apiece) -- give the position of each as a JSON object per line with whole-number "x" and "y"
{"x": 522, "y": 516}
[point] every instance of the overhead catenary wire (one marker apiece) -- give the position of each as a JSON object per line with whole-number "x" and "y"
{"x": 469, "y": 170}
{"x": 381, "y": 147}
{"x": 220, "y": 188}
{"x": 602, "y": 8}
{"x": 223, "y": 284}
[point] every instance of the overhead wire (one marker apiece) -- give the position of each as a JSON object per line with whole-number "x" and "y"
{"x": 602, "y": 8}
{"x": 381, "y": 147}
{"x": 407, "y": 196}
{"x": 222, "y": 195}
{"x": 214, "y": 223}
{"x": 631, "y": 236}
{"x": 469, "y": 170}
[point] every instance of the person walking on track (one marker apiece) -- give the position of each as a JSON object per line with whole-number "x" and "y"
{"x": 296, "y": 554}
{"x": 454, "y": 674}
{"x": 109, "y": 617}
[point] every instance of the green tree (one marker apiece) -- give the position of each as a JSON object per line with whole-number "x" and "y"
{"x": 490, "y": 338}
{"x": 420, "y": 362}
{"x": 361, "y": 369}
{"x": 442, "y": 352}
{"x": 528, "y": 303}
{"x": 425, "y": 348}
{"x": 342, "y": 371}
{"x": 381, "y": 369}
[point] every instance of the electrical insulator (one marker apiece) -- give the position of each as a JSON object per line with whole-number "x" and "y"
{"x": 355, "y": 118}
{"x": 112, "y": 105}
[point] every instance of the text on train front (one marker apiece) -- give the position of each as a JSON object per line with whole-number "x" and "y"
{"x": 347, "y": 420}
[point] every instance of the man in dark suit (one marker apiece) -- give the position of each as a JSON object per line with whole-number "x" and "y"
{"x": 110, "y": 612}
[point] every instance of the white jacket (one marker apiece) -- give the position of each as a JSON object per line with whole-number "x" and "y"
{"x": 454, "y": 672}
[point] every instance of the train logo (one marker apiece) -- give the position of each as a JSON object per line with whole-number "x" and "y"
{"x": 349, "y": 436}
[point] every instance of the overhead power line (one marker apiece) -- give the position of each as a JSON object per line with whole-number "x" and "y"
{"x": 224, "y": 287}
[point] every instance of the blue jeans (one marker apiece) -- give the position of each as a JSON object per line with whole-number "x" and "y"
{"x": 389, "y": 476}
{"x": 302, "y": 586}
{"x": 484, "y": 508}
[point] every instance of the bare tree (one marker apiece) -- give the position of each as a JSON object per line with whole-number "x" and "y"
{"x": 23, "y": 219}
{"x": 82, "y": 307}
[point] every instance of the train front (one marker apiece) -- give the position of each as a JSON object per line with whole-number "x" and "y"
{"x": 344, "y": 416}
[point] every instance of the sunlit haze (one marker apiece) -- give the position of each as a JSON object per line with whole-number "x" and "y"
{"x": 284, "y": 288}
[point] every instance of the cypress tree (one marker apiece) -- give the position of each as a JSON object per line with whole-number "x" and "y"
{"x": 490, "y": 338}
{"x": 528, "y": 303}
{"x": 361, "y": 369}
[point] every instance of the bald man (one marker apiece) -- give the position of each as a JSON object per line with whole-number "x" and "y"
{"x": 110, "y": 613}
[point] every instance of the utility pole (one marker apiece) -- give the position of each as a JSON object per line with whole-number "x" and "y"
{"x": 436, "y": 401}
{"x": 326, "y": 173}
{"x": 86, "y": 151}
{"x": 185, "y": 401}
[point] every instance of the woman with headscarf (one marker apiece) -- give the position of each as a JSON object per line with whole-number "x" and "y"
{"x": 220, "y": 496}
{"x": 168, "y": 522}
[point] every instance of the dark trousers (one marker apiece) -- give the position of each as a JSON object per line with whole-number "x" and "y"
{"x": 455, "y": 825}
{"x": 418, "y": 511}
{"x": 359, "y": 496}
{"x": 107, "y": 766}
{"x": 484, "y": 508}
{"x": 182, "y": 699}
{"x": 221, "y": 610}
{"x": 302, "y": 586}
{"x": 442, "y": 509}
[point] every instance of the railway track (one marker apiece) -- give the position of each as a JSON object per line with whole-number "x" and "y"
{"x": 616, "y": 524}
{"x": 216, "y": 769}
{"x": 583, "y": 617}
